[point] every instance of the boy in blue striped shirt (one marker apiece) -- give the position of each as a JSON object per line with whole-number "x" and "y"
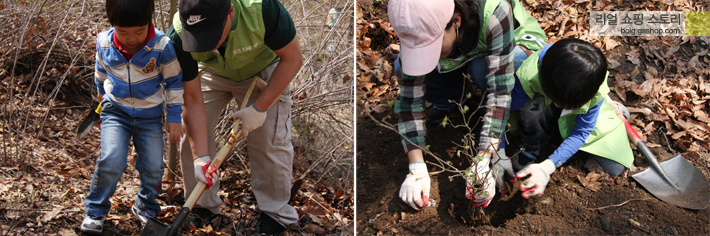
{"x": 138, "y": 79}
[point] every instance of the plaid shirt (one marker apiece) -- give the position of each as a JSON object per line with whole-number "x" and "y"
{"x": 499, "y": 56}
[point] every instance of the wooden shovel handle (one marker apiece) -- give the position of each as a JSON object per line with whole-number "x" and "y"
{"x": 231, "y": 140}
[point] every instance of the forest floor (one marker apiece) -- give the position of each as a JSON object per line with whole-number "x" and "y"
{"x": 662, "y": 80}
{"x": 46, "y": 89}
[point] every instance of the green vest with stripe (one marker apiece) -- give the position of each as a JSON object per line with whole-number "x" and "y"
{"x": 608, "y": 139}
{"x": 527, "y": 32}
{"x": 246, "y": 53}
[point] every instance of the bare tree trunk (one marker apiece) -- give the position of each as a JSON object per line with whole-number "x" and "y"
{"x": 172, "y": 154}
{"x": 172, "y": 167}
{"x": 173, "y": 9}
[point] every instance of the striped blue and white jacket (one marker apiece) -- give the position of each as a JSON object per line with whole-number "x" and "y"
{"x": 137, "y": 86}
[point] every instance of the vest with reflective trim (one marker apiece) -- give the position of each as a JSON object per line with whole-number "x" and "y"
{"x": 527, "y": 33}
{"x": 608, "y": 139}
{"x": 246, "y": 53}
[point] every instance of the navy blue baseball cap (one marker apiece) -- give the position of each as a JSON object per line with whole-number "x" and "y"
{"x": 202, "y": 23}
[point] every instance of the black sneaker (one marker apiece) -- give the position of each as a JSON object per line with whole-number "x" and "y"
{"x": 268, "y": 226}
{"x": 435, "y": 115}
{"x": 198, "y": 217}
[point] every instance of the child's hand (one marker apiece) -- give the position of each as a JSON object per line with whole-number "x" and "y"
{"x": 539, "y": 177}
{"x": 175, "y": 131}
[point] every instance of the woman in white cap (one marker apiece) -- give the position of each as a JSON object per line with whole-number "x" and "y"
{"x": 441, "y": 41}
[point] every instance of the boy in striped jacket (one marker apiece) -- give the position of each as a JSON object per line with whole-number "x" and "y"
{"x": 138, "y": 79}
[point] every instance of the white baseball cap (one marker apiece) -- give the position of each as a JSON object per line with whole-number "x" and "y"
{"x": 420, "y": 26}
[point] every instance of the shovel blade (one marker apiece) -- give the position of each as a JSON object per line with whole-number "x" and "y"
{"x": 687, "y": 187}
{"x": 86, "y": 124}
{"x": 154, "y": 228}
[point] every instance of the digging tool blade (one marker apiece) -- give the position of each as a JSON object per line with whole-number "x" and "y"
{"x": 154, "y": 228}
{"x": 89, "y": 121}
{"x": 675, "y": 181}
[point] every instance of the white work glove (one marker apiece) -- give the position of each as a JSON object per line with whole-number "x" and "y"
{"x": 415, "y": 189}
{"x": 201, "y": 165}
{"x": 251, "y": 119}
{"x": 477, "y": 174}
{"x": 501, "y": 165}
{"x": 539, "y": 177}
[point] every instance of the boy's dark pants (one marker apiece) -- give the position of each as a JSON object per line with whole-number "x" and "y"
{"x": 538, "y": 125}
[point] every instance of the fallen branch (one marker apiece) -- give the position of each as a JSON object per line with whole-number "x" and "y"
{"x": 621, "y": 204}
{"x": 24, "y": 209}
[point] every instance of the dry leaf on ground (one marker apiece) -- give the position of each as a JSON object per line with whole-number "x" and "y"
{"x": 591, "y": 181}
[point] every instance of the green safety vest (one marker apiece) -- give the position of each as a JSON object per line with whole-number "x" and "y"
{"x": 246, "y": 53}
{"x": 527, "y": 33}
{"x": 608, "y": 139}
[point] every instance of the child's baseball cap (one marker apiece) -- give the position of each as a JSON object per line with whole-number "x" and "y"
{"x": 202, "y": 23}
{"x": 420, "y": 26}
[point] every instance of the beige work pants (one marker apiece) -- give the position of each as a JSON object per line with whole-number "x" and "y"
{"x": 269, "y": 147}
